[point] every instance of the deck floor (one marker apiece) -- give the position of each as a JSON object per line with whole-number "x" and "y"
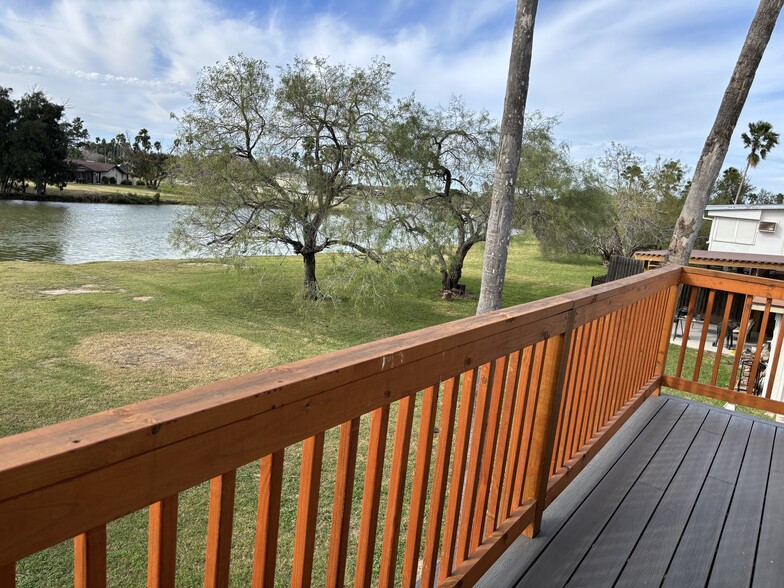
{"x": 683, "y": 495}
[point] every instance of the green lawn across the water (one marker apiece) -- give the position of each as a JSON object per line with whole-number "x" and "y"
{"x": 145, "y": 329}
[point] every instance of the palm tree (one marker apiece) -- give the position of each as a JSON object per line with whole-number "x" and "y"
{"x": 760, "y": 139}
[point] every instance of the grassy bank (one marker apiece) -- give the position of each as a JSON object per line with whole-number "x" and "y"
{"x": 145, "y": 329}
{"x": 108, "y": 194}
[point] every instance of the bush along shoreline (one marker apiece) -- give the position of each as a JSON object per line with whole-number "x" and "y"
{"x": 91, "y": 198}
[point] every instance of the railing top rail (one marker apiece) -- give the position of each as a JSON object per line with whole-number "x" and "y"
{"x": 731, "y": 282}
{"x": 396, "y": 366}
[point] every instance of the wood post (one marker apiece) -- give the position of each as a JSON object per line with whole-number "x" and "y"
{"x": 162, "y": 543}
{"x": 666, "y": 330}
{"x": 90, "y": 558}
{"x": 8, "y": 576}
{"x": 219, "y": 525}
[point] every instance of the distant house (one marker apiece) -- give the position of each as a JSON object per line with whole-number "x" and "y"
{"x": 92, "y": 172}
{"x": 756, "y": 228}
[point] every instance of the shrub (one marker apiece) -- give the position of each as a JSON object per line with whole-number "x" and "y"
{"x": 105, "y": 180}
{"x": 126, "y": 182}
{"x": 112, "y": 180}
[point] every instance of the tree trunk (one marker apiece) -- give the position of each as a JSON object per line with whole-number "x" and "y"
{"x": 717, "y": 143}
{"x": 310, "y": 286}
{"x": 499, "y": 224}
{"x": 742, "y": 181}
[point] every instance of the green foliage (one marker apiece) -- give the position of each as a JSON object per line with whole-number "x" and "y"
{"x": 728, "y": 188}
{"x": 146, "y": 159}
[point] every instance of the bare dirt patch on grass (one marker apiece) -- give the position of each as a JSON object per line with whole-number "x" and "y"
{"x": 86, "y": 289}
{"x": 171, "y": 358}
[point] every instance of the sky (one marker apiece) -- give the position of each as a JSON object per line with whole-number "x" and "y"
{"x": 649, "y": 75}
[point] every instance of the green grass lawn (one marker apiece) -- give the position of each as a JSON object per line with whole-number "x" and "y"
{"x": 169, "y": 193}
{"x": 70, "y": 355}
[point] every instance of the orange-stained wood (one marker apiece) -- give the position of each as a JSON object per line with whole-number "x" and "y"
{"x": 307, "y": 510}
{"x": 666, "y": 331}
{"x": 730, "y": 282}
{"x": 773, "y": 363}
{"x": 219, "y": 526}
{"x": 371, "y": 496}
{"x": 741, "y": 342}
{"x": 8, "y": 575}
{"x": 566, "y": 408}
{"x": 551, "y": 385}
{"x": 341, "y": 509}
{"x": 685, "y": 331}
{"x": 480, "y": 561}
{"x": 758, "y": 349}
{"x": 722, "y": 336}
{"x": 162, "y": 543}
{"x": 571, "y": 399}
{"x": 397, "y": 487}
{"x": 774, "y": 406}
{"x": 458, "y": 475}
{"x": 416, "y": 513}
{"x": 706, "y": 321}
{"x": 268, "y": 519}
{"x": 90, "y": 558}
{"x": 471, "y": 485}
{"x": 440, "y": 478}
{"x": 532, "y": 400}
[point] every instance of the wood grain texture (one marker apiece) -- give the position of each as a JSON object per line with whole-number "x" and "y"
{"x": 162, "y": 543}
{"x": 741, "y": 398}
{"x": 8, "y": 576}
{"x": 307, "y": 510}
{"x": 268, "y": 520}
{"x": 90, "y": 559}
{"x": 219, "y": 528}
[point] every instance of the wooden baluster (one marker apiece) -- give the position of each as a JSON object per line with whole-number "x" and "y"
{"x": 773, "y": 362}
{"x": 582, "y": 399}
{"x": 427, "y": 421}
{"x": 371, "y": 496}
{"x": 706, "y": 318}
{"x": 686, "y": 331}
{"x": 397, "y": 486}
{"x": 440, "y": 477}
{"x": 624, "y": 350}
{"x": 722, "y": 336}
{"x": 666, "y": 333}
{"x": 571, "y": 400}
{"x": 268, "y": 520}
{"x": 654, "y": 326}
{"x": 8, "y": 575}
{"x": 90, "y": 558}
{"x": 307, "y": 510}
{"x": 470, "y": 490}
{"x": 341, "y": 509}
{"x": 566, "y": 408}
{"x": 478, "y": 530}
{"x": 593, "y": 379}
{"x": 615, "y": 344}
{"x": 606, "y": 348}
{"x": 550, "y": 388}
{"x": 515, "y": 439}
{"x": 219, "y": 526}
{"x": 758, "y": 350}
{"x": 162, "y": 543}
{"x": 741, "y": 342}
{"x": 532, "y": 399}
{"x": 458, "y": 475}
{"x": 493, "y": 518}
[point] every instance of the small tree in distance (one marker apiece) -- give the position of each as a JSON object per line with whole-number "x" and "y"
{"x": 760, "y": 139}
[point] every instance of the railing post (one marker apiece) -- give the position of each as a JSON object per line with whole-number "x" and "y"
{"x": 666, "y": 330}
{"x": 545, "y": 422}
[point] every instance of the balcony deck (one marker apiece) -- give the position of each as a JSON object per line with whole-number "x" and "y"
{"x": 683, "y": 495}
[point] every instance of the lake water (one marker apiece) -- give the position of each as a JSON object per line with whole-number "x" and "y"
{"x": 77, "y": 233}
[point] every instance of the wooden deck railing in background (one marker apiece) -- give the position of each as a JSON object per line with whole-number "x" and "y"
{"x": 522, "y": 398}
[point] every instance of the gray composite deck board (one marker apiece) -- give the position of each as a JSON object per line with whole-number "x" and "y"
{"x": 683, "y": 495}
{"x": 769, "y": 566}
{"x": 557, "y": 563}
{"x": 652, "y": 554}
{"x": 737, "y": 550}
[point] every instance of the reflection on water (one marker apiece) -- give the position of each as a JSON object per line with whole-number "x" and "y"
{"x": 76, "y": 233}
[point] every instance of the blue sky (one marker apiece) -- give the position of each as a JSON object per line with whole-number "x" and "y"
{"x": 646, "y": 74}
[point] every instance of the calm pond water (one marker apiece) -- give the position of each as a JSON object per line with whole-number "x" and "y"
{"x": 77, "y": 233}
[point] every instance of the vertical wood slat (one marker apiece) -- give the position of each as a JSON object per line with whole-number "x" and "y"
{"x": 686, "y": 331}
{"x": 627, "y": 325}
{"x": 566, "y": 411}
{"x": 706, "y": 318}
{"x": 602, "y": 376}
{"x": 666, "y": 333}
{"x": 371, "y": 496}
{"x": 458, "y": 475}
{"x": 341, "y": 508}
{"x": 613, "y": 361}
{"x": 397, "y": 486}
{"x": 758, "y": 350}
{"x": 532, "y": 399}
{"x": 268, "y": 519}
{"x": 721, "y": 338}
{"x": 585, "y": 385}
{"x": 550, "y": 387}
{"x": 570, "y": 407}
{"x": 440, "y": 477}
{"x": 307, "y": 510}
{"x": 90, "y": 558}
{"x": 515, "y": 439}
{"x": 470, "y": 490}
{"x": 162, "y": 543}
{"x": 427, "y": 421}
{"x": 741, "y": 342}
{"x": 594, "y": 378}
{"x": 219, "y": 526}
{"x": 8, "y": 575}
{"x": 488, "y": 457}
{"x": 581, "y": 400}
{"x": 773, "y": 362}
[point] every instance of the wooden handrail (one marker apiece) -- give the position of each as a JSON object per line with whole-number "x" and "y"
{"x": 73, "y": 478}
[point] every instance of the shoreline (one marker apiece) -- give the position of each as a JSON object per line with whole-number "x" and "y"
{"x": 94, "y": 198}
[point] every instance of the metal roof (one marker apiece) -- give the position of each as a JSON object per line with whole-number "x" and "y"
{"x": 722, "y": 258}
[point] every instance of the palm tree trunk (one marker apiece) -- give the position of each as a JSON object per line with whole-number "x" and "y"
{"x": 718, "y": 140}
{"x": 499, "y": 224}
{"x": 742, "y": 181}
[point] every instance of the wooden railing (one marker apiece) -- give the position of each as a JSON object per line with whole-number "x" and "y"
{"x": 475, "y": 426}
